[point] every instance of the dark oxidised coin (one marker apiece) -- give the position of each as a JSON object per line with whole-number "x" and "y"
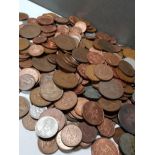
{"x": 23, "y": 16}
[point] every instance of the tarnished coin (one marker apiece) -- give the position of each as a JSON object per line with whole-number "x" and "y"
{"x": 112, "y": 89}
{"x": 104, "y": 146}
{"x": 36, "y": 50}
{"x": 118, "y": 132}
{"x": 48, "y": 28}
{"x": 26, "y": 64}
{"x": 103, "y": 72}
{"x": 89, "y": 132}
{"x": 61, "y": 20}
{"x": 23, "y": 106}
{"x": 67, "y": 101}
{"x": 92, "y": 113}
{"x": 82, "y": 69}
{"x": 82, "y": 25}
{"x": 71, "y": 135}
{"x": 36, "y": 111}
{"x": 57, "y": 114}
{"x": 26, "y": 82}
{"x": 106, "y": 128}
{"x": 23, "y": 43}
{"x": 47, "y": 146}
{"x": 30, "y": 31}
{"x": 112, "y": 59}
{"x": 126, "y": 117}
{"x": 29, "y": 123}
{"x": 46, "y": 127}
{"x": 60, "y": 144}
{"x": 39, "y": 39}
{"x": 65, "y": 80}
{"x": 23, "y": 16}
{"x": 127, "y": 144}
{"x": 65, "y": 42}
{"x": 45, "y": 20}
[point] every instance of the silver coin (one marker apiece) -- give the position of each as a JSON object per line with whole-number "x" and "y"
{"x": 130, "y": 61}
{"x": 36, "y": 111}
{"x": 46, "y": 127}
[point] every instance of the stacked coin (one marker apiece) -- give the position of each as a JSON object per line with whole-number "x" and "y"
{"x": 81, "y": 84}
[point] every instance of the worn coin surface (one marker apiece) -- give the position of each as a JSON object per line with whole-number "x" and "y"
{"x": 23, "y": 16}
{"x": 118, "y": 132}
{"x": 82, "y": 25}
{"x": 36, "y": 50}
{"x": 46, "y": 127}
{"x": 23, "y": 43}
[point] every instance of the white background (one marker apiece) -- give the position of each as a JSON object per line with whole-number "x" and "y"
{"x": 145, "y": 78}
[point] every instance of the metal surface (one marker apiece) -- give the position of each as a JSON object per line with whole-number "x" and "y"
{"x": 116, "y": 17}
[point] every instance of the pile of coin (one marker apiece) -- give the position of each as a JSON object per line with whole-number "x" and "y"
{"x": 80, "y": 83}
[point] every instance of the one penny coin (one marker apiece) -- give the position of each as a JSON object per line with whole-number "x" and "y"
{"x": 47, "y": 146}
{"x": 92, "y": 113}
{"x": 82, "y": 25}
{"x": 118, "y": 132}
{"x": 103, "y": 72}
{"x": 61, "y": 20}
{"x": 23, "y": 106}
{"x": 71, "y": 135}
{"x": 23, "y": 16}
{"x": 106, "y": 128}
{"x": 89, "y": 132}
{"x": 36, "y": 50}
{"x": 82, "y": 69}
{"x": 67, "y": 101}
{"x": 39, "y": 39}
{"x": 112, "y": 89}
{"x": 23, "y": 43}
{"x": 45, "y": 20}
{"x": 112, "y": 59}
{"x": 26, "y": 64}
{"x": 104, "y": 146}
{"x": 48, "y": 28}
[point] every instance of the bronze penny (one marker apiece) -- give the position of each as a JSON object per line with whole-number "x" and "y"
{"x": 92, "y": 113}
{"x": 42, "y": 64}
{"x": 26, "y": 63}
{"x": 65, "y": 42}
{"x": 49, "y": 51}
{"x": 23, "y": 43}
{"x": 89, "y": 132}
{"x": 71, "y": 135}
{"x": 39, "y": 39}
{"x": 106, "y": 128}
{"x": 126, "y": 68}
{"x": 52, "y": 58}
{"x": 118, "y": 132}
{"x": 80, "y": 54}
{"x": 85, "y": 145}
{"x": 23, "y": 16}
{"x": 67, "y": 101}
{"x": 128, "y": 89}
{"x": 47, "y": 146}
{"x": 29, "y": 123}
{"x": 104, "y": 36}
{"x": 82, "y": 25}
{"x": 45, "y": 20}
{"x": 109, "y": 105}
{"x": 63, "y": 29}
{"x": 104, "y": 146}
{"x": 103, "y": 72}
{"x": 26, "y": 82}
{"x": 23, "y": 106}
{"x": 48, "y": 28}
{"x": 82, "y": 69}
{"x": 126, "y": 117}
{"x": 30, "y": 31}
{"x": 32, "y": 21}
{"x": 61, "y": 20}
{"x": 75, "y": 115}
{"x": 79, "y": 89}
{"x": 112, "y": 89}
{"x": 65, "y": 80}
{"x": 112, "y": 59}
{"x": 50, "y": 44}
{"x": 36, "y": 50}
{"x": 36, "y": 99}
{"x": 57, "y": 114}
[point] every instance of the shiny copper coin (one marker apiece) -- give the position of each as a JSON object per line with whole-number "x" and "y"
{"x": 23, "y": 43}
{"x": 118, "y": 132}
{"x": 82, "y": 25}
{"x": 39, "y": 39}
{"x": 23, "y": 106}
{"x": 112, "y": 89}
{"x": 23, "y": 16}
{"x": 106, "y": 128}
{"x": 50, "y": 44}
{"x": 92, "y": 113}
{"x": 30, "y": 31}
{"x": 45, "y": 20}
{"x": 36, "y": 50}
{"x": 103, "y": 72}
{"x": 112, "y": 59}
{"x": 126, "y": 117}
{"x": 48, "y": 28}
{"x": 104, "y": 146}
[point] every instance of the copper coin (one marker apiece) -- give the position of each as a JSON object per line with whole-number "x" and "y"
{"x": 80, "y": 54}
{"x": 109, "y": 105}
{"x": 36, "y": 99}
{"x": 112, "y": 89}
{"x": 29, "y": 123}
{"x": 26, "y": 82}
{"x": 65, "y": 80}
{"x": 106, "y": 128}
{"x": 48, "y": 28}
{"x": 112, "y": 59}
{"x": 118, "y": 132}
{"x": 104, "y": 146}
{"x": 65, "y": 42}
{"x": 128, "y": 89}
{"x": 49, "y": 51}
{"x": 126, "y": 117}
{"x": 79, "y": 106}
{"x": 30, "y": 31}
{"x": 79, "y": 89}
{"x": 85, "y": 145}
{"x": 23, "y": 43}
{"x": 36, "y": 50}
{"x": 45, "y": 20}
{"x": 89, "y": 132}
{"x": 32, "y": 21}
{"x": 50, "y": 44}
{"x": 73, "y": 19}
{"x": 92, "y": 113}
{"x": 82, "y": 69}
{"x": 126, "y": 68}
{"x": 103, "y": 72}
{"x": 75, "y": 115}
{"x": 71, "y": 135}
{"x": 61, "y": 20}
{"x": 52, "y": 58}
{"x": 103, "y": 35}
{"x": 67, "y": 101}
{"x": 63, "y": 29}
{"x": 42, "y": 64}
{"x": 23, "y": 16}
{"x": 57, "y": 114}
{"x": 47, "y": 146}
{"x": 39, "y": 39}
{"x": 26, "y": 64}
{"x": 128, "y": 52}
{"x": 82, "y": 25}
{"x": 23, "y": 106}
